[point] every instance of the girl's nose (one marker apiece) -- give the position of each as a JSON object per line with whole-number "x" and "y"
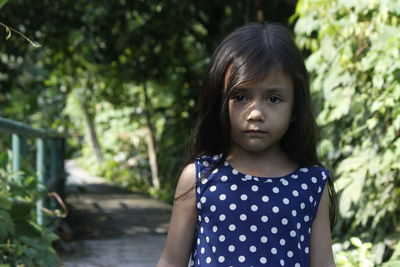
{"x": 255, "y": 113}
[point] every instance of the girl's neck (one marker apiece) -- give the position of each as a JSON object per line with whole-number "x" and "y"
{"x": 272, "y": 164}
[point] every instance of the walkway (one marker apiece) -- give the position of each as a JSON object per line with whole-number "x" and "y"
{"x": 111, "y": 226}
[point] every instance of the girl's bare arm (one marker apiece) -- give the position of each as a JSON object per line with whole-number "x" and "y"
{"x": 183, "y": 223}
{"x": 321, "y": 244}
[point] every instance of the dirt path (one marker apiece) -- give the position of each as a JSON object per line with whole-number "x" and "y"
{"x": 112, "y": 227}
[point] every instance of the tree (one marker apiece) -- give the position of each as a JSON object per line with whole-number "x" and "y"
{"x": 354, "y": 63}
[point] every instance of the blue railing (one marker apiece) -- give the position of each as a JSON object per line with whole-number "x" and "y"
{"x": 50, "y": 149}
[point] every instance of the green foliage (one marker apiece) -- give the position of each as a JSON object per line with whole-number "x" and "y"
{"x": 355, "y": 46}
{"x": 22, "y": 241}
{"x": 359, "y": 256}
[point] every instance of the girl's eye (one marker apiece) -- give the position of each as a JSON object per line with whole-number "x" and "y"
{"x": 239, "y": 98}
{"x": 274, "y": 99}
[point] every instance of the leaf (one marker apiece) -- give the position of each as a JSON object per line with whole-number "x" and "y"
{"x": 6, "y": 225}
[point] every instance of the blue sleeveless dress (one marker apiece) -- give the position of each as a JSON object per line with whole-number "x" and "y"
{"x": 245, "y": 220}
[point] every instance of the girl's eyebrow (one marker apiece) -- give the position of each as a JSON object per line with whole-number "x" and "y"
{"x": 277, "y": 89}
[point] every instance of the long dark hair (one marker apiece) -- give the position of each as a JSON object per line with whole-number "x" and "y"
{"x": 246, "y": 56}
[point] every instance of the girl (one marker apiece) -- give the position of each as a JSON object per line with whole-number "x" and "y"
{"x": 253, "y": 192}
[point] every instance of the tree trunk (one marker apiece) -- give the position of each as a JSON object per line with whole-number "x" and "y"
{"x": 258, "y": 4}
{"x": 91, "y": 131}
{"x": 150, "y": 140}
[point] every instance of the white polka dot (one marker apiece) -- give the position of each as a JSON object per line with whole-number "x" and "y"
{"x": 243, "y": 197}
{"x": 263, "y": 260}
{"x": 231, "y": 248}
{"x": 319, "y": 189}
{"x": 232, "y": 206}
{"x": 298, "y": 225}
{"x": 306, "y": 250}
{"x": 222, "y": 217}
{"x": 198, "y": 241}
{"x": 215, "y": 171}
{"x": 234, "y": 187}
{"x": 275, "y": 209}
{"x": 263, "y": 239}
{"x": 208, "y": 260}
{"x": 198, "y": 205}
{"x": 274, "y": 250}
{"x": 248, "y": 177}
{"x": 222, "y": 197}
{"x": 213, "y": 188}
{"x": 299, "y": 245}
{"x": 207, "y": 239}
{"x": 284, "y": 182}
{"x": 254, "y": 207}
{"x": 254, "y": 188}
{"x": 243, "y": 217}
{"x": 294, "y": 213}
{"x": 295, "y": 176}
{"x": 213, "y": 208}
{"x": 221, "y": 259}
{"x": 311, "y": 199}
{"x": 275, "y": 190}
{"x": 226, "y": 163}
{"x": 222, "y": 238}
{"x": 265, "y": 198}
{"x": 314, "y": 180}
{"x": 242, "y": 258}
{"x": 304, "y": 170}
{"x": 292, "y": 233}
{"x": 204, "y": 181}
{"x": 206, "y": 219}
{"x": 290, "y": 254}
{"x": 242, "y": 238}
{"x": 285, "y": 201}
{"x": 274, "y": 230}
{"x": 302, "y": 238}
{"x": 205, "y": 163}
{"x": 295, "y": 193}
{"x": 202, "y": 250}
{"x": 253, "y": 249}
{"x": 306, "y": 218}
{"x": 302, "y": 206}
{"x": 264, "y": 218}
{"x": 235, "y": 171}
{"x": 232, "y": 227}
{"x": 304, "y": 186}
{"x": 284, "y": 221}
{"x": 253, "y": 228}
{"x": 282, "y": 262}
{"x": 215, "y": 228}
{"x": 224, "y": 178}
{"x": 297, "y": 265}
{"x": 282, "y": 242}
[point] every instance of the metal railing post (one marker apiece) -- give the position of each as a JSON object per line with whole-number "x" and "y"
{"x": 16, "y": 155}
{"x": 40, "y": 170}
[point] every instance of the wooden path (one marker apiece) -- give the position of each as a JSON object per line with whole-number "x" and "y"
{"x": 112, "y": 227}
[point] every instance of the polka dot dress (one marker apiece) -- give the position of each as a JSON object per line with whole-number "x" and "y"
{"x": 245, "y": 220}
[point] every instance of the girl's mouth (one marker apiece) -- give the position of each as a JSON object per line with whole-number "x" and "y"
{"x": 255, "y": 132}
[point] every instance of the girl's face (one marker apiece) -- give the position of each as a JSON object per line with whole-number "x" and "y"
{"x": 260, "y": 113}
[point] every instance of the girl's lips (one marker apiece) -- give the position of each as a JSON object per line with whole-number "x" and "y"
{"x": 256, "y": 131}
